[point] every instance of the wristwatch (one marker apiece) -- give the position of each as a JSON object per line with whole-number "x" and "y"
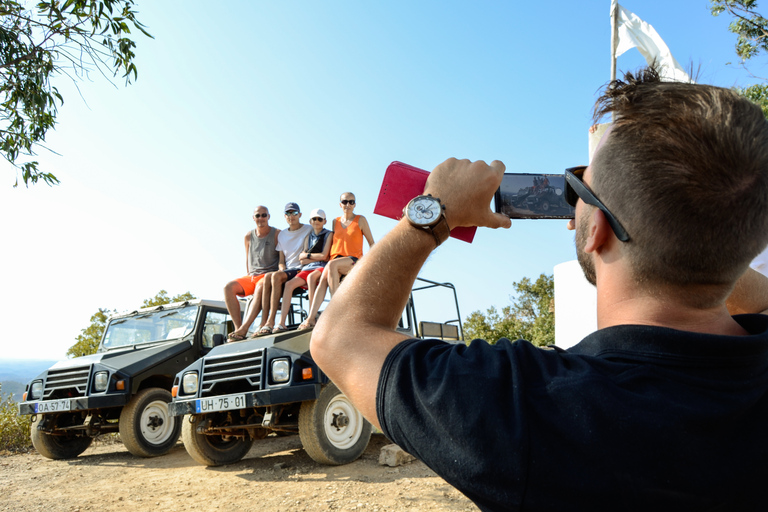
{"x": 427, "y": 213}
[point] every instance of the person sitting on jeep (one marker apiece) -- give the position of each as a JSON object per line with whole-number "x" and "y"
{"x": 347, "y": 248}
{"x": 289, "y": 244}
{"x": 261, "y": 258}
{"x": 314, "y": 255}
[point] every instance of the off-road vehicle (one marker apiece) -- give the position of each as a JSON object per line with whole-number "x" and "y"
{"x": 126, "y": 386}
{"x": 243, "y": 391}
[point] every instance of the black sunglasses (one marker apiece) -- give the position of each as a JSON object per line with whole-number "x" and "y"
{"x": 348, "y": 201}
{"x": 257, "y": 215}
{"x": 575, "y": 188}
{"x": 317, "y": 219}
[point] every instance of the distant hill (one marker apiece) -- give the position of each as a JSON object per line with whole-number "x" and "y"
{"x": 16, "y": 389}
{"x": 15, "y": 373}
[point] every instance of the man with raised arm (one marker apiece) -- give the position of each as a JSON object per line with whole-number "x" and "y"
{"x": 261, "y": 258}
{"x": 665, "y": 407}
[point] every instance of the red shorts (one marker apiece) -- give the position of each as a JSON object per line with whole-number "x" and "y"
{"x": 249, "y": 283}
{"x": 304, "y": 274}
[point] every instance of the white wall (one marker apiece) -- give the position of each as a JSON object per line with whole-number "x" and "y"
{"x": 575, "y": 305}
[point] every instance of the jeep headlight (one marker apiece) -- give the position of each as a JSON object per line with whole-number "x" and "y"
{"x": 189, "y": 383}
{"x": 100, "y": 381}
{"x": 36, "y": 390}
{"x": 281, "y": 370}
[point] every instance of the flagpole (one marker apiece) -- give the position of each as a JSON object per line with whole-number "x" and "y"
{"x": 614, "y": 36}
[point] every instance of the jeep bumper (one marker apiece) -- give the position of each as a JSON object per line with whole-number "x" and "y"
{"x": 82, "y": 403}
{"x": 262, "y": 398}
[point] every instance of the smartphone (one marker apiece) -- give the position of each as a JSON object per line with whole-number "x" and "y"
{"x": 533, "y": 196}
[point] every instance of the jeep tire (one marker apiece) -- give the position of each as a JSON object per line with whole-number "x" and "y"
{"x": 147, "y": 428}
{"x": 212, "y": 450}
{"x": 57, "y": 447}
{"x": 331, "y": 429}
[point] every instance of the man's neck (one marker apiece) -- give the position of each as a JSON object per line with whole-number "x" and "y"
{"x": 318, "y": 231}
{"x": 625, "y": 306}
{"x": 294, "y": 228}
{"x": 262, "y": 231}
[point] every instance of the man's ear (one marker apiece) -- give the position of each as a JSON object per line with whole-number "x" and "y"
{"x": 598, "y": 232}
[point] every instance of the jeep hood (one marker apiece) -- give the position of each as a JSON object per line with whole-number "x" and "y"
{"x": 293, "y": 341}
{"x": 131, "y": 359}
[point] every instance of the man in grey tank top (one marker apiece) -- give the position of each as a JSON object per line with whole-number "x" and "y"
{"x": 261, "y": 257}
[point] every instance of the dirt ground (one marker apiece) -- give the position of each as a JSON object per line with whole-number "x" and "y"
{"x": 276, "y": 475}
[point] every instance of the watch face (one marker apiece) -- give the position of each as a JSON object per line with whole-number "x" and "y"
{"x": 424, "y": 210}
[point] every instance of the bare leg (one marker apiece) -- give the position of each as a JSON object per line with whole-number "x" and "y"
{"x": 231, "y": 290}
{"x": 289, "y": 287}
{"x": 278, "y": 278}
{"x": 337, "y": 268}
{"x": 312, "y": 280}
{"x": 266, "y": 297}
{"x": 318, "y": 299}
{"x": 253, "y": 311}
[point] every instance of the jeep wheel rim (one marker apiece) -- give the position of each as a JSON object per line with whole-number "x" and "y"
{"x": 342, "y": 422}
{"x": 156, "y": 424}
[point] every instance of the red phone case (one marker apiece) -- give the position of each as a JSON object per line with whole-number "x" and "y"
{"x": 403, "y": 182}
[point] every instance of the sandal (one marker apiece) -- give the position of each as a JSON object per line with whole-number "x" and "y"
{"x": 265, "y": 329}
{"x": 303, "y": 326}
{"x": 279, "y": 329}
{"x": 235, "y": 337}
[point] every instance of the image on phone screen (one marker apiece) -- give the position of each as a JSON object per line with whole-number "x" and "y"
{"x": 533, "y": 196}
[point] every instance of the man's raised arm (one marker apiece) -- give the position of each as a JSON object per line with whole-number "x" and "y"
{"x": 357, "y": 330}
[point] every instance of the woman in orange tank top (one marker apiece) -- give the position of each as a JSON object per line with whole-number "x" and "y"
{"x": 348, "y": 233}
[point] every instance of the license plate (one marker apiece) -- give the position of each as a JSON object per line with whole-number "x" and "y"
{"x": 219, "y": 403}
{"x": 52, "y": 406}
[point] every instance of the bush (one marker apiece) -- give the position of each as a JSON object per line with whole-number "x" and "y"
{"x": 14, "y": 429}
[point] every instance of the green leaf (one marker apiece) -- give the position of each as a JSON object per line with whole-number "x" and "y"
{"x": 31, "y": 59}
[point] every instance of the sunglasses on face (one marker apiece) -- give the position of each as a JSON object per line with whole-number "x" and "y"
{"x": 291, "y": 213}
{"x": 317, "y": 219}
{"x": 348, "y": 201}
{"x": 576, "y": 189}
{"x": 258, "y": 215}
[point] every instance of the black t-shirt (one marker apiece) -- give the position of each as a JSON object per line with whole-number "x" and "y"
{"x": 632, "y": 418}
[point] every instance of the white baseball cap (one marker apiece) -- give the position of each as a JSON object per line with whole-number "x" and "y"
{"x": 317, "y": 212}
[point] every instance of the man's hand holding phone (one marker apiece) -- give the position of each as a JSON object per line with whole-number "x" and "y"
{"x": 466, "y": 189}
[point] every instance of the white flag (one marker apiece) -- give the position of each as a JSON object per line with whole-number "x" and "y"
{"x": 634, "y": 32}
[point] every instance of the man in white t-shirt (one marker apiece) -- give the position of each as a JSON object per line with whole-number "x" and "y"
{"x": 289, "y": 245}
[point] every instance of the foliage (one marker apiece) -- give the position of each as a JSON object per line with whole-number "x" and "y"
{"x": 89, "y": 338}
{"x": 162, "y": 298}
{"x": 531, "y": 315}
{"x": 39, "y": 43}
{"x": 750, "y": 27}
{"x": 757, "y": 93}
{"x": 751, "y": 31}
{"x": 14, "y": 429}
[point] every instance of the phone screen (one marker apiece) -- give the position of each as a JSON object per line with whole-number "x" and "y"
{"x": 533, "y": 196}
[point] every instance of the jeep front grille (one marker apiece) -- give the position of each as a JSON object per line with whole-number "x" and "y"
{"x": 235, "y": 373}
{"x": 68, "y": 382}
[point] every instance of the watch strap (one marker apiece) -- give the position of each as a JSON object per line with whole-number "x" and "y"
{"x": 440, "y": 231}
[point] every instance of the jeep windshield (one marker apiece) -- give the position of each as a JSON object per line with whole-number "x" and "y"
{"x": 148, "y": 327}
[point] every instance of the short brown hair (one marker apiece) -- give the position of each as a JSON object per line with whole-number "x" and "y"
{"x": 685, "y": 170}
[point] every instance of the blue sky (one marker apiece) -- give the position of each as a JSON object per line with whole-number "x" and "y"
{"x": 256, "y": 103}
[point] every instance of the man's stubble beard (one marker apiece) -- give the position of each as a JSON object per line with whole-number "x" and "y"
{"x": 585, "y": 260}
